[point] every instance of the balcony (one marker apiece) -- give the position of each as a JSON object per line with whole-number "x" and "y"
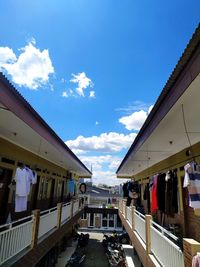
{"x": 155, "y": 245}
{"x": 35, "y": 233}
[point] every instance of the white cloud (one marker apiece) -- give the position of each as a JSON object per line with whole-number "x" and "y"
{"x": 32, "y": 68}
{"x": 51, "y": 87}
{"x": 115, "y": 163}
{"x": 96, "y": 161}
{"x": 92, "y": 94}
{"x": 82, "y": 81}
{"x": 105, "y": 142}
{"x": 100, "y": 174}
{"x": 135, "y": 106}
{"x": 105, "y": 177}
{"x": 135, "y": 120}
{"x": 64, "y": 94}
{"x": 6, "y": 56}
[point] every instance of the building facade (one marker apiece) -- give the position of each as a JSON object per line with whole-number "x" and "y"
{"x": 169, "y": 142}
{"x": 47, "y": 205}
{"x": 101, "y": 199}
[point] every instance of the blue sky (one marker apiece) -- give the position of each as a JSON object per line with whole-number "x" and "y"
{"x": 93, "y": 68}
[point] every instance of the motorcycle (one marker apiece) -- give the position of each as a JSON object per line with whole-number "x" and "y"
{"x": 76, "y": 259}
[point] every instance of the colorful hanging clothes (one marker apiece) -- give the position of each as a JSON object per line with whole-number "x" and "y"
{"x": 192, "y": 182}
{"x": 154, "y": 200}
{"x": 71, "y": 187}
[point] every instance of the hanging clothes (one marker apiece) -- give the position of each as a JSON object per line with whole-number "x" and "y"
{"x": 161, "y": 191}
{"x": 175, "y": 192}
{"x": 154, "y": 200}
{"x": 22, "y": 189}
{"x": 21, "y": 178}
{"x": 125, "y": 190}
{"x": 146, "y": 196}
{"x": 20, "y": 203}
{"x": 24, "y": 177}
{"x": 34, "y": 177}
{"x": 170, "y": 193}
{"x": 71, "y": 187}
{"x": 196, "y": 260}
{"x": 192, "y": 182}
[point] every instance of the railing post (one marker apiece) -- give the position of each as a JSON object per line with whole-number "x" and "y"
{"x": 59, "y": 214}
{"x": 148, "y": 219}
{"x": 190, "y": 248}
{"x": 133, "y": 218}
{"x": 125, "y": 212}
{"x": 35, "y": 229}
{"x": 72, "y": 207}
{"x": 123, "y": 206}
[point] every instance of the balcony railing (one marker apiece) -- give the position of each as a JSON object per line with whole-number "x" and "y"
{"x": 21, "y": 234}
{"x": 66, "y": 212}
{"x": 48, "y": 221}
{"x": 159, "y": 242}
{"x": 140, "y": 225}
{"x": 15, "y": 238}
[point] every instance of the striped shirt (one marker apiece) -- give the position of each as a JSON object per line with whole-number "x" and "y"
{"x": 192, "y": 182}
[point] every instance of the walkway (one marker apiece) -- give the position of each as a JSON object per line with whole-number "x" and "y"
{"x": 95, "y": 255}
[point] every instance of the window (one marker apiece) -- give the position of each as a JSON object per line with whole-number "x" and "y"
{"x": 84, "y": 216}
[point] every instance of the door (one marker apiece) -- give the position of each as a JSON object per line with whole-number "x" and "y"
{"x": 5, "y": 180}
{"x": 91, "y": 220}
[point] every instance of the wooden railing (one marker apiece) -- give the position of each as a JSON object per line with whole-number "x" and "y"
{"x": 27, "y": 232}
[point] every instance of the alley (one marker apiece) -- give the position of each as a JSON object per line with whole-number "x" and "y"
{"x": 95, "y": 255}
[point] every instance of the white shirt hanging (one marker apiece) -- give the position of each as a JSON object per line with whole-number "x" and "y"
{"x": 21, "y": 178}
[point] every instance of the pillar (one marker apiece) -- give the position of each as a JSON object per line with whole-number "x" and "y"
{"x": 148, "y": 219}
{"x": 190, "y": 248}
{"x": 35, "y": 229}
{"x": 59, "y": 214}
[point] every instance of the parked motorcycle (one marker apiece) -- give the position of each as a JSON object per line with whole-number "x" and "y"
{"x": 83, "y": 240}
{"x": 76, "y": 259}
{"x": 114, "y": 250}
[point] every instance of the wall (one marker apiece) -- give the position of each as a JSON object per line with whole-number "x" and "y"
{"x": 51, "y": 178}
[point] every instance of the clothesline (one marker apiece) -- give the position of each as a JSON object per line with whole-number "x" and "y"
{"x": 171, "y": 167}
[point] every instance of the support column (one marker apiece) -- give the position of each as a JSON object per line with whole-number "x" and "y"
{"x": 35, "y": 229}
{"x": 72, "y": 207}
{"x": 133, "y": 218}
{"x": 125, "y": 212}
{"x": 148, "y": 219}
{"x": 190, "y": 248}
{"x": 59, "y": 214}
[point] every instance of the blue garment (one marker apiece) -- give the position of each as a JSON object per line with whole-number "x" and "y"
{"x": 71, "y": 186}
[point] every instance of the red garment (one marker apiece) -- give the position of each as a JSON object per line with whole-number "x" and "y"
{"x": 154, "y": 200}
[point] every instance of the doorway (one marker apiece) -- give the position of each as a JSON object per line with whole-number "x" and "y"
{"x": 91, "y": 222}
{"x": 5, "y": 180}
